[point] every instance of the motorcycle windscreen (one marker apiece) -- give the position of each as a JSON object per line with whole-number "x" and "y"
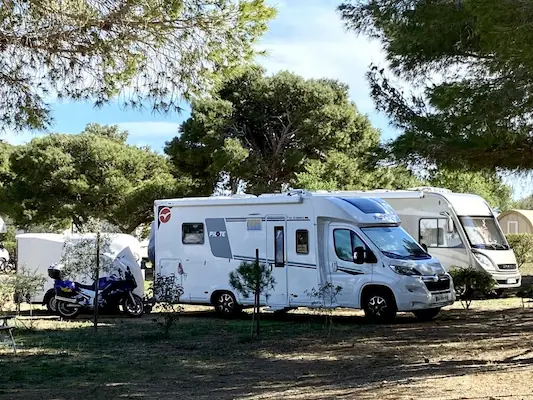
{"x": 126, "y": 259}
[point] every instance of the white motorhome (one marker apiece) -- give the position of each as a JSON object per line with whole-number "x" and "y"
{"x": 458, "y": 229}
{"x": 38, "y": 251}
{"x": 355, "y": 243}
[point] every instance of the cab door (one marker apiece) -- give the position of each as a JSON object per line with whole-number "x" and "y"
{"x": 344, "y": 272}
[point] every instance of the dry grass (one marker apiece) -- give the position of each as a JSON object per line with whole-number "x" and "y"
{"x": 482, "y": 354}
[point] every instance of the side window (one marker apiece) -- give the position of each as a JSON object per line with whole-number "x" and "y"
{"x": 342, "y": 239}
{"x": 429, "y": 232}
{"x": 279, "y": 247}
{"x": 302, "y": 241}
{"x": 433, "y": 234}
{"x": 192, "y": 233}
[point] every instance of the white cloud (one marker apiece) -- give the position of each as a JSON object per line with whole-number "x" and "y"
{"x": 309, "y": 38}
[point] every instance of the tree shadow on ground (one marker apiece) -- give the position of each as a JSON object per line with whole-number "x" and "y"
{"x": 212, "y": 358}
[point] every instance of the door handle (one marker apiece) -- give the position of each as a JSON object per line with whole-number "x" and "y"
{"x": 334, "y": 266}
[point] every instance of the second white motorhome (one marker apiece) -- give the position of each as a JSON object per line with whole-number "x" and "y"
{"x": 458, "y": 229}
{"x": 307, "y": 241}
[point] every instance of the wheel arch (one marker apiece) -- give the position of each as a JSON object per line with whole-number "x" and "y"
{"x": 374, "y": 287}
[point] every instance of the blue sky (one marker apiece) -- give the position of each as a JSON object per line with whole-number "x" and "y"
{"x": 307, "y": 38}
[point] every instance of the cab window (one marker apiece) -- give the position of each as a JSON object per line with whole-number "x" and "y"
{"x": 345, "y": 242}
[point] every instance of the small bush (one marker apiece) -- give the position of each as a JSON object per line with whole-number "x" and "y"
{"x": 468, "y": 281}
{"x": 168, "y": 291}
{"x": 325, "y": 296}
{"x": 522, "y": 245}
{"x": 252, "y": 278}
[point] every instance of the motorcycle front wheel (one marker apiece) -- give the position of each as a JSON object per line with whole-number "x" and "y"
{"x": 66, "y": 311}
{"x": 135, "y": 307}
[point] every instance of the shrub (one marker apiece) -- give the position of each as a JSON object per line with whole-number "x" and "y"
{"x": 468, "y": 281}
{"x": 252, "y": 278}
{"x": 325, "y": 296}
{"x": 168, "y": 291}
{"x": 522, "y": 245}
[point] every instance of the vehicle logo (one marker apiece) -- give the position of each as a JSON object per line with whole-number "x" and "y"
{"x": 217, "y": 234}
{"x": 164, "y": 215}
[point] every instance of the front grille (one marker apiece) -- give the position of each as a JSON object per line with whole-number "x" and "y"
{"x": 507, "y": 266}
{"x": 442, "y": 284}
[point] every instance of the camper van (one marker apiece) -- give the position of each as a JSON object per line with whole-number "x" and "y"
{"x": 458, "y": 229}
{"x": 38, "y": 251}
{"x": 306, "y": 241}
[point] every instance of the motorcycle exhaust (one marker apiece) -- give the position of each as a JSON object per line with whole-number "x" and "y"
{"x": 67, "y": 300}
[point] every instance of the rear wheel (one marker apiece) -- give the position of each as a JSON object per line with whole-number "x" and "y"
{"x": 226, "y": 305}
{"x": 379, "y": 305}
{"x": 65, "y": 310}
{"x": 426, "y": 315}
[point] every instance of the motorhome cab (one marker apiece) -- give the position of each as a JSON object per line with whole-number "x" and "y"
{"x": 458, "y": 229}
{"x": 306, "y": 240}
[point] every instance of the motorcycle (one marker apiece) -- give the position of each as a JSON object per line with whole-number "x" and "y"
{"x": 7, "y": 264}
{"x": 113, "y": 291}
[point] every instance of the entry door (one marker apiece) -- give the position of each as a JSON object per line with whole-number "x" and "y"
{"x": 276, "y": 254}
{"x": 351, "y": 277}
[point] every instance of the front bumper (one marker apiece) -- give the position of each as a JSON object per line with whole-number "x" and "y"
{"x": 507, "y": 279}
{"x": 414, "y": 294}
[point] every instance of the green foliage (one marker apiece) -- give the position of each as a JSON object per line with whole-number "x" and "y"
{"x": 252, "y": 278}
{"x": 79, "y": 258}
{"x": 468, "y": 281}
{"x": 8, "y": 239}
{"x": 92, "y": 175}
{"x": 524, "y": 204}
{"x": 477, "y": 113}
{"x": 483, "y": 183}
{"x": 522, "y": 245}
{"x": 263, "y": 131}
{"x": 139, "y": 51}
{"x": 339, "y": 171}
{"x": 324, "y": 298}
{"x": 25, "y": 284}
{"x": 167, "y": 292}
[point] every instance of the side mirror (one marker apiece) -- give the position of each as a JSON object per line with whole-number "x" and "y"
{"x": 359, "y": 255}
{"x": 424, "y": 247}
{"x": 450, "y": 226}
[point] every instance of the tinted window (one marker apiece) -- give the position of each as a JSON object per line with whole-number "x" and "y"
{"x": 192, "y": 233}
{"x": 279, "y": 246}
{"x": 433, "y": 233}
{"x": 368, "y": 206}
{"x": 302, "y": 241}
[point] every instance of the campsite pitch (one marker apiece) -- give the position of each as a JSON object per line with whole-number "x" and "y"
{"x": 482, "y": 354}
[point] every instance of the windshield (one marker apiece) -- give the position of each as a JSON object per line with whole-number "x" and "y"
{"x": 395, "y": 242}
{"x": 484, "y": 233}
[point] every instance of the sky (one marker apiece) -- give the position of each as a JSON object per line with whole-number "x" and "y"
{"x": 307, "y": 37}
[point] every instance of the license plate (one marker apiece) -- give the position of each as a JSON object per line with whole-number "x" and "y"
{"x": 440, "y": 298}
{"x": 511, "y": 280}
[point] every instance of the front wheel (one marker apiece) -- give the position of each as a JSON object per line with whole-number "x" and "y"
{"x": 51, "y": 303}
{"x": 133, "y": 305}
{"x": 65, "y": 310}
{"x": 426, "y": 315}
{"x": 379, "y": 306}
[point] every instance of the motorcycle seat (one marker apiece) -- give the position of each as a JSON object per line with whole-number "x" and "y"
{"x": 88, "y": 287}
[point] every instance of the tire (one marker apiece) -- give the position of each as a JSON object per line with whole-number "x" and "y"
{"x": 67, "y": 312}
{"x": 379, "y": 306}
{"x": 226, "y": 305}
{"x": 50, "y": 302}
{"x": 426, "y": 315}
{"x": 133, "y": 308}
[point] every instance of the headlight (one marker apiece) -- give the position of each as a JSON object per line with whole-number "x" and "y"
{"x": 484, "y": 261}
{"x": 403, "y": 270}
